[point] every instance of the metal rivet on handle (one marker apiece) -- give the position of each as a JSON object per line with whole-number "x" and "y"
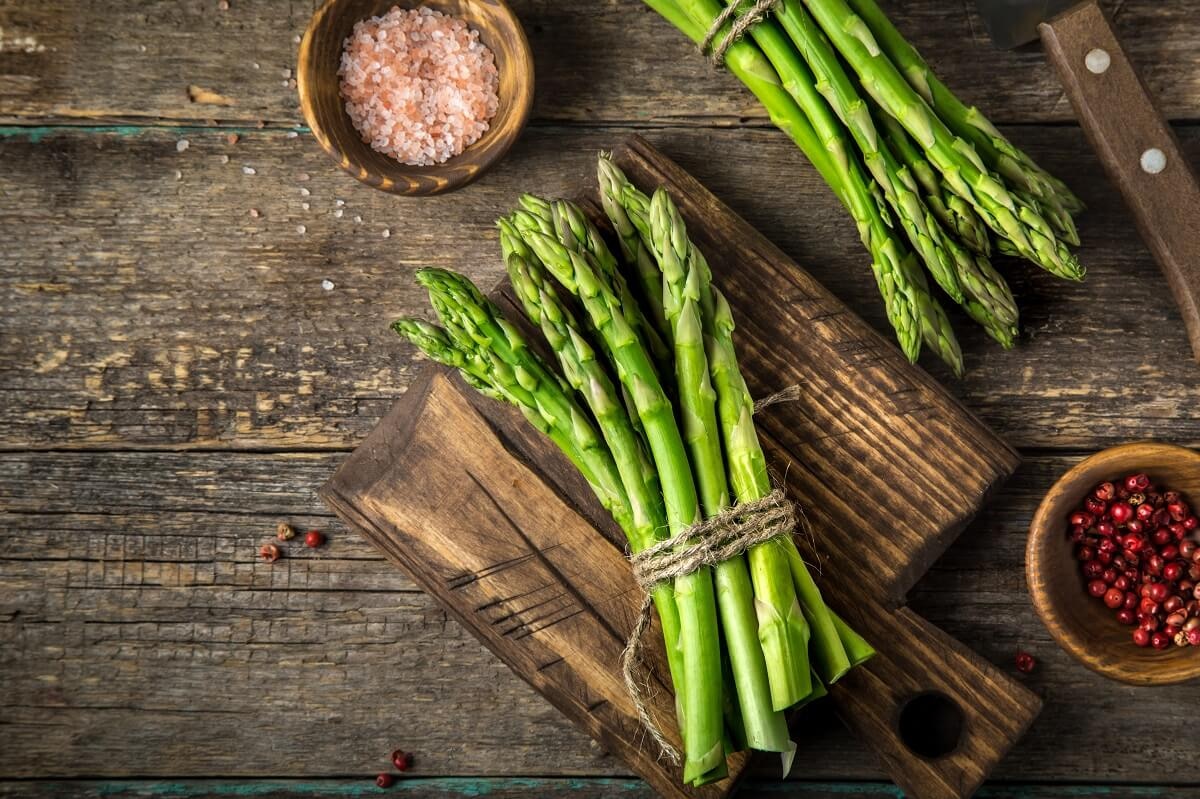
{"x": 1097, "y": 61}
{"x": 1153, "y": 161}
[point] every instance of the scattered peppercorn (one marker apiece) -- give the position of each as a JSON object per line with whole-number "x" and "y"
{"x": 269, "y": 553}
{"x": 1025, "y": 662}
{"x": 402, "y": 760}
{"x": 285, "y": 532}
{"x": 385, "y": 780}
{"x": 314, "y": 539}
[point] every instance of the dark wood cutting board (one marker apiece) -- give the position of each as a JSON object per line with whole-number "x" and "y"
{"x": 486, "y": 516}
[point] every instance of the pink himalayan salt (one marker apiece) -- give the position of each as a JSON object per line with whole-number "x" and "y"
{"x": 419, "y": 86}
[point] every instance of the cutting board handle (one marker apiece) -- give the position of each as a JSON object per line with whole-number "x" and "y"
{"x": 936, "y": 714}
{"x": 1135, "y": 145}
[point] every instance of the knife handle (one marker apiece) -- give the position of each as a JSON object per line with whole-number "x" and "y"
{"x": 1135, "y": 145}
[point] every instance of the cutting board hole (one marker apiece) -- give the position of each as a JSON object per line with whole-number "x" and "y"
{"x": 931, "y": 724}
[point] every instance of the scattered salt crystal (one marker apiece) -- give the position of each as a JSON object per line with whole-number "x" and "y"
{"x": 178, "y": 175}
{"x": 304, "y": 206}
{"x": 301, "y": 229}
{"x": 291, "y": 83}
{"x": 357, "y": 218}
{"x": 141, "y": 48}
{"x": 327, "y": 284}
{"x": 182, "y": 145}
{"x": 302, "y": 176}
{"x": 387, "y": 234}
{"x": 418, "y": 85}
{"x": 224, "y": 159}
{"x": 304, "y": 192}
{"x": 339, "y": 203}
{"x": 296, "y": 39}
{"x": 248, "y": 170}
{"x": 338, "y": 213}
{"x": 255, "y": 65}
{"x": 283, "y": 83}
{"x": 291, "y": 134}
{"x": 254, "y": 213}
{"x": 223, "y": 5}
{"x": 287, "y": 73}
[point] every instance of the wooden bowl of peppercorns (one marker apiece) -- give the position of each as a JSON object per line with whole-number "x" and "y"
{"x": 1081, "y": 586}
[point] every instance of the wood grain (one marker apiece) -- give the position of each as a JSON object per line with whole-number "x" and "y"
{"x": 545, "y": 788}
{"x": 853, "y": 442}
{"x": 324, "y": 109}
{"x": 613, "y": 61}
{"x": 1165, "y": 204}
{"x": 132, "y": 589}
{"x": 145, "y": 311}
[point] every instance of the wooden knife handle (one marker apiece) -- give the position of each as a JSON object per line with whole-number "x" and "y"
{"x": 1135, "y": 145}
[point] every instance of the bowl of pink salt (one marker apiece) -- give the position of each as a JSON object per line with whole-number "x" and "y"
{"x": 415, "y": 98}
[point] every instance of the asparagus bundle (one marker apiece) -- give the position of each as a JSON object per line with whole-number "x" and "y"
{"x": 647, "y": 400}
{"x": 928, "y": 180}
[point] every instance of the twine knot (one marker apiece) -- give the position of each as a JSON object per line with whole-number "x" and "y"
{"x": 712, "y": 541}
{"x": 741, "y": 24}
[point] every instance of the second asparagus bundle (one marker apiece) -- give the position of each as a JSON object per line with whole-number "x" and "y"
{"x": 928, "y": 180}
{"x": 647, "y": 399}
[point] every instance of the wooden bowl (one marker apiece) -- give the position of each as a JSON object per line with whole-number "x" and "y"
{"x": 317, "y": 79}
{"x": 1080, "y": 623}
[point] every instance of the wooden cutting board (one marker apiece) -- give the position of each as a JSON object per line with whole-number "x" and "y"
{"x": 490, "y": 519}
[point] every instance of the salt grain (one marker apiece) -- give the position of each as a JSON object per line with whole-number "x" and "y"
{"x": 304, "y": 192}
{"x": 291, "y": 134}
{"x": 304, "y": 206}
{"x": 224, "y": 159}
{"x": 223, "y": 5}
{"x": 418, "y": 85}
{"x": 287, "y": 73}
{"x": 387, "y": 234}
{"x": 302, "y": 176}
{"x": 255, "y": 65}
{"x": 296, "y": 39}
{"x": 327, "y": 284}
{"x": 248, "y": 170}
{"x": 178, "y": 175}
{"x": 358, "y": 219}
{"x": 337, "y": 214}
{"x": 182, "y": 145}
{"x": 254, "y": 213}
{"x": 141, "y": 48}
{"x": 339, "y": 203}
{"x": 301, "y": 229}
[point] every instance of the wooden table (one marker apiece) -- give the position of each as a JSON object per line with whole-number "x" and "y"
{"x": 175, "y": 380}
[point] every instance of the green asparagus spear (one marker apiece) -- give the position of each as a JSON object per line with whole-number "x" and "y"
{"x": 886, "y": 250}
{"x": 759, "y": 697}
{"x": 997, "y": 151}
{"x": 967, "y": 175}
{"x": 702, "y": 703}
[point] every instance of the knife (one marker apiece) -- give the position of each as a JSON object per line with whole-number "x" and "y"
{"x": 1126, "y": 129}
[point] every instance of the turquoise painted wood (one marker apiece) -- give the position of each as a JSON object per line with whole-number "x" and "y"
{"x": 542, "y": 788}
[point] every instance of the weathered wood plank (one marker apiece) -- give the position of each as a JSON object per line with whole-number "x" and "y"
{"x": 139, "y": 635}
{"x": 614, "y": 60}
{"x": 545, "y": 788}
{"x": 147, "y": 311}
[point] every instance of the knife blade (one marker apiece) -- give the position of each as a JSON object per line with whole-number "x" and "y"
{"x": 1012, "y": 23}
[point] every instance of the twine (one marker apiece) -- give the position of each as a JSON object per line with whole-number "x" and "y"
{"x": 713, "y": 541}
{"x": 741, "y": 24}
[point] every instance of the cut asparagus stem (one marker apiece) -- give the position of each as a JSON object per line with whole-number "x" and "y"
{"x": 576, "y": 271}
{"x": 1003, "y": 211}
{"x": 857, "y": 648}
{"x": 764, "y": 727}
